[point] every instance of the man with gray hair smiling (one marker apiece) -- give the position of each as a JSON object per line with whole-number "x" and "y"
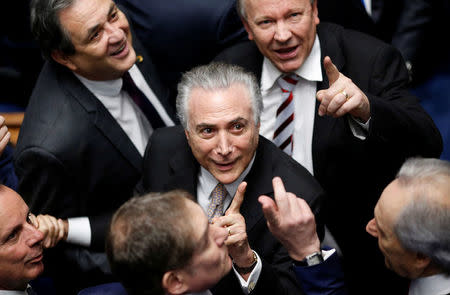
{"x": 216, "y": 154}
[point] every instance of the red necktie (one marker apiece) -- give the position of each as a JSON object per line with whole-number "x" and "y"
{"x": 284, "y": 124}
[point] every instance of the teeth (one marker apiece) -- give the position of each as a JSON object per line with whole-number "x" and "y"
{"x": 120, "y": 49}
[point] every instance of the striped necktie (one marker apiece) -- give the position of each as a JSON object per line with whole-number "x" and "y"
{"x": 284, "y": 124}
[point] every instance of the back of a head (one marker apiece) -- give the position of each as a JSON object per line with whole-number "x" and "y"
{"x": 148, "y": 236}
{"x": 216, "y": 76}
{"x": 423, "y": 226}
{"x": 47, "y": 29}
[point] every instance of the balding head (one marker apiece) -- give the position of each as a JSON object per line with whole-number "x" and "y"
{"x": 20, "y": 243}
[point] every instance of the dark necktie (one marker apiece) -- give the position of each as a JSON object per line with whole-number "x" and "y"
{"x": 142, "y": 101}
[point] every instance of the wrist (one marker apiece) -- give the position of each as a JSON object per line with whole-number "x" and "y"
{"x": 300, "y": 255}
{"x": 310, "y": 260}
{"x": 248, "y": 267}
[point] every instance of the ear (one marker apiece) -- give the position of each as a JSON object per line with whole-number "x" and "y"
{"x": 63, "y": 59}
{"x": 247, "y": 28}
{"x": 315, "y": 13}
{"x": 173, "y": 283}
{"x": 186, "y": 132}
{"x": 422, "y": 261}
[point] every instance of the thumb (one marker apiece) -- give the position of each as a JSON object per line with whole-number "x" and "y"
{"x": 269, "y": 208}
{"x": 331, "y": 70}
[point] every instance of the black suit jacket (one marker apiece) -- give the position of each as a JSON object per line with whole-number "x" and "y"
{"x": 169, "y": 164}
{"x": 73, "y": 159}
{"x": 354, "y": 172}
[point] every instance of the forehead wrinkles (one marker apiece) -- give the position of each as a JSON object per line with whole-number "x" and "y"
{"x": 83, "y": 15}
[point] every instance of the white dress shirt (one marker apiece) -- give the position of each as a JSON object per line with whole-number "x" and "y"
{"x": 12, "y": 292}
{"x": 130, "y": 118}
{"x": 433, "y": 285}
{"x": 304, "y": 95}
{"x": 206, "y": 184}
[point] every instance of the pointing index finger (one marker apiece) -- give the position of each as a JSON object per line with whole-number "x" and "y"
{"x": 331, "y": 70}
{"x": 238, "y": 199}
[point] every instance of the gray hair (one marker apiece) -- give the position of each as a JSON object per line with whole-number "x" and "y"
{"x": 423, "y": 226}
{"x": 240, "y": 6}
{"x": 216, "y": 76}
{"x": 47, "y": 29}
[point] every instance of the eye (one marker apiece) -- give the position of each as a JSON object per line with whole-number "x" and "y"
{"x": 207, "y": 130}
{"x": 114, "y": 15}
{"x": 11, "y": 236}
{"x": 95, "y": 36}
{"x": 238, "y": 126}
{"x": 264, "y": 23}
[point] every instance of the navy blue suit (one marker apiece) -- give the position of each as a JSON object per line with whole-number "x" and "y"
{"x": 181, "y": 34}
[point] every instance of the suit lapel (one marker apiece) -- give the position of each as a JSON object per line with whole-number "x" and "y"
{"x": 101, "y": 118}
{"x": 259, "y": 182}
{"x": 324, "y": 126}
{"x": 184, "y": 171}
{"x": 150, "y": 74}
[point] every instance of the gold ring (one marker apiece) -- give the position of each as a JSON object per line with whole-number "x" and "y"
{"x": 229, "y": 231}
{"x": 345, "y": 94}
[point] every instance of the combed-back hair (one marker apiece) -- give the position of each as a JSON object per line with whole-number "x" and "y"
{"x": 423, "y": 226}
{"x": 149, "y": 236}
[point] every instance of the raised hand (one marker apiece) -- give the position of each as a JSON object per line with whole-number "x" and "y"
{"x": 343, "y": 96}
{"x": 237, "y": 241}
{"x": 5, "y": 135}
{"x": 54, "y": 229}
{"x": 291, "y": 221}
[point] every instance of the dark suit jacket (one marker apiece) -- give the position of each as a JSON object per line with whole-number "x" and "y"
{"x": 354, "y": 172}
{"x": 181, "y": 34}
{"x": 72, "y": 157}
{"x": 169, "y": 164}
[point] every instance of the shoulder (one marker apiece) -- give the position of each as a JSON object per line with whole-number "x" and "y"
{"x": 296, "y": 178}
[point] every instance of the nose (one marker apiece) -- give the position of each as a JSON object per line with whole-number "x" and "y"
{"x": 33, "y": 235}
{"x": 220, "y": 234}
{"x": 115, "y": 34}
{"x": 371, "y": 228}
{"x": 224, "y": 146}
{"x": 282, "y": 32}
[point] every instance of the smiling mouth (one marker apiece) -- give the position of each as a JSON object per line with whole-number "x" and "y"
{"x": 225, "y": 166}
{"x": 36, "y": 259}
{"x": 287, "y": 52}
{"x": 121, "y": 48}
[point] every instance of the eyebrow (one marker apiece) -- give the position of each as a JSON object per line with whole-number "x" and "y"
{"x": 93, "y": 29}
{"x": 206, "y": 125}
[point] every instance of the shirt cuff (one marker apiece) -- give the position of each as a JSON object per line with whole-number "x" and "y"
{"x": 79, "y": 231}
{"x": 358, "y": 128}
{"x": 249, "y": 285}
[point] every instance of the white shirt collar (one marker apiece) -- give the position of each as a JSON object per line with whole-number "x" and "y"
{"x": 211, "y": 181}
{"x": 433, "y": 285}
{"x": 109, "y": 88}
{"x": 14, "y": 292}
{"x": 311, "y": 69}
